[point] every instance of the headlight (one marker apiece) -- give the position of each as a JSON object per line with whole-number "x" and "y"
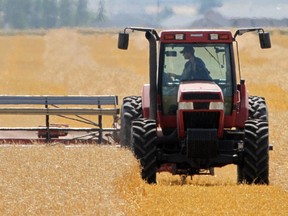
{"x": 216, "y": 106}
{"x": 186, "y": 106}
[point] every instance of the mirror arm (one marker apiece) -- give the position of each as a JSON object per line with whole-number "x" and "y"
{"x": 152, "y": 30}
{"x": 243, "y": 31}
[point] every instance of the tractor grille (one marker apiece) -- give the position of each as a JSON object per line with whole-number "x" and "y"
{"x": 201, "y": 96}
{"x": 201, "y": 120}
{"x": 202, "y": 143}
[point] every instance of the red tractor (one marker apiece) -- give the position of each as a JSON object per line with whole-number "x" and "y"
{"x": 196, "y": 113}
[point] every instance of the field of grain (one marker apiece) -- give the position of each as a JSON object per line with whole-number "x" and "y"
{"x": 104, "y": 180}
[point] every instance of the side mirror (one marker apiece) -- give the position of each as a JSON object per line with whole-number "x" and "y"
{"x": 123, "y": 41}
{"x": 264, "y": 38}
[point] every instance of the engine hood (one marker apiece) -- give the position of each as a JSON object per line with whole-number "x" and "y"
{"x": 199, "y": 91}
{"x": 200, "y": 106}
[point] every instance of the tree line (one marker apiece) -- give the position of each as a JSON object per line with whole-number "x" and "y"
{"x": 30, "y": 14}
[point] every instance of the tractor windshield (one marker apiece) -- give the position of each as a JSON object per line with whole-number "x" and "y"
{"x": 205, "y": 62}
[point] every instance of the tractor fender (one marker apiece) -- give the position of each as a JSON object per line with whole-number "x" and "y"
{"x": 146, "y": 100}
{"x": 242, "y": 115}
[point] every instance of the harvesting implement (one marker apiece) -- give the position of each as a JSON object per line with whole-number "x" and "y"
{"x": 92, "y": 107}
{"x": 195, "y": 116}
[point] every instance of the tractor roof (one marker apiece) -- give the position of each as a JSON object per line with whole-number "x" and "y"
{"x": 197, "y": 35}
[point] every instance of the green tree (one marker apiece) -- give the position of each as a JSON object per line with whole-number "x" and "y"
{"x": 49, "y": 13}
{"x": 17, "y": 13}
{"x": 66, "y": 17}
{"x": 36, "y": 18}
{"x": 2, "y": 9}
{"x": 101, "y": 14}
{"x": 82, "y": 14}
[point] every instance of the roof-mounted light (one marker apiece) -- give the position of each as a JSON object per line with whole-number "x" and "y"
{"x": 179, "y": 37}
{"x": 219, "y": 37}
{"x": 214, "y": 36}
{"x": 223, "y": 37}
{"x": 169, "y": 37}
{"x": 174, "y": 36}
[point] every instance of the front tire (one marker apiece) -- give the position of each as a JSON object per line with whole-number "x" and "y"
{"x": 254, "y": 168}
{"x": 144, "y": 137}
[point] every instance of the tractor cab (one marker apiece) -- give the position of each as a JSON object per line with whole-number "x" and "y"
{"x": 213, "y": 59}
{"x": 198, "y": 62}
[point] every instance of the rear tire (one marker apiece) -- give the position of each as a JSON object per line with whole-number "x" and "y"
{"x": 254, "y": 168}
{"x": 257, "y": 108}
{"x": 144, "y": 147}
{"x": 131, "y": 109}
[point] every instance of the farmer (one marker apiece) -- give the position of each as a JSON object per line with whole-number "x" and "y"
{"x": 194, "y": 68}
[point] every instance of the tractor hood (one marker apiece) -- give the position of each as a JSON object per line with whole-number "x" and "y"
{"x": 202, "y": 91}
{"x": 200, "y": 106}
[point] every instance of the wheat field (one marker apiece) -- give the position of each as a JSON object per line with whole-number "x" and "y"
{"x": 105, "y": 180}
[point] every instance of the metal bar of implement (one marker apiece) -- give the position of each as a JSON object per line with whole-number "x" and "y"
{"x": 79, "y": 118}
{"x": 48, "y": 138}
{"x": 100, "y": 126}
{"x": 85, "y": 121}
{"x": 64, "y": 100}
{"x": 59, "y": 111}
{"x": 90, "y": 136}
{"x": 55, "y": 128}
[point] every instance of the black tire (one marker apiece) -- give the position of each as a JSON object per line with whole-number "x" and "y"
{"x": 131, "y": 109}
{"x": 254, "y": 168}
{"x": 258, "y": 108}
{"x": 144, "y": 137}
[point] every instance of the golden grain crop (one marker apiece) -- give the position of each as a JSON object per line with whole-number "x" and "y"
{"x": 95, "y": 180}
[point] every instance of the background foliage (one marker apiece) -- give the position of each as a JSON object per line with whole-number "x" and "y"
{"x": 30, "y": 14}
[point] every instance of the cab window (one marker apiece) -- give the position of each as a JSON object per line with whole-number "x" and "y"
{"x": 216, "y": 58}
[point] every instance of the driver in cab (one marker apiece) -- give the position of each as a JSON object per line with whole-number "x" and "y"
{"x": 194, "y": 68}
